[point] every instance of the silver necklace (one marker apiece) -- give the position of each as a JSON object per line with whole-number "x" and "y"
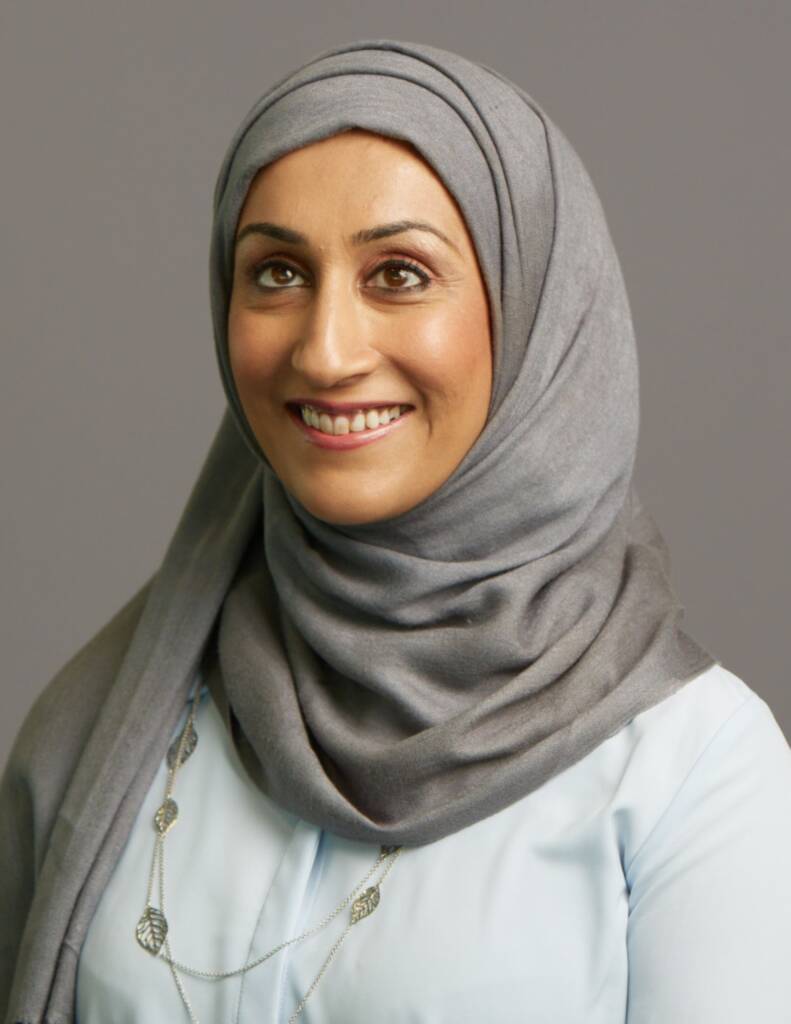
{"x": 153, "y": 929}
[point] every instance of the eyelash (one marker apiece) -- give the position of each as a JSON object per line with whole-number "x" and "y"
{"x": 257, "y": 269}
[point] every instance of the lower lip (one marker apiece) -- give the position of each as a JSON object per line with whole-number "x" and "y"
{"x": 343, "y": 442}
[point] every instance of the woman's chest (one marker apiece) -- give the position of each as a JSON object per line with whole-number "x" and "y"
{"x": 503, "y": 928}
{"x": 519, "y": 917}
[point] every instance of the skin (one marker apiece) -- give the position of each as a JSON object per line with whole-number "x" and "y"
{"x": 329, "y": 319}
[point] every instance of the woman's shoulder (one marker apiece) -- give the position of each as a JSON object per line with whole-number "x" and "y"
{"x": 696, "y": 711}
{"x": 706, "y": 857}
{"x": 58, "y": 724}
{"x": 704, "y": 711}
{"x": 712, "y": 750}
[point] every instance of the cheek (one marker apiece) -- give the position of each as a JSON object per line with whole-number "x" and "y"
{"x": 450, "y": 354}
{"x": 252, "y": 357}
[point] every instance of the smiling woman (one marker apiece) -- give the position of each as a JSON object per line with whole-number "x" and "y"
{"x": 409, "y": 703}
{"x": 361, "y": 352}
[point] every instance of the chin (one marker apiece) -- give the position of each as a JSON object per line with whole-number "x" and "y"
{"x": 340, "y": 514}
{"x": 337, "y": 510}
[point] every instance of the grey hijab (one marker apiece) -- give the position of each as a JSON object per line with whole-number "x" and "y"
{"x": 398, "y": 681}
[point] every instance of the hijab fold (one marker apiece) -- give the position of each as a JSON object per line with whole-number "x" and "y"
{"x": 395, "y": 682}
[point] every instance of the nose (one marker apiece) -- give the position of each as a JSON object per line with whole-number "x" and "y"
{"x": 334, "y": 347}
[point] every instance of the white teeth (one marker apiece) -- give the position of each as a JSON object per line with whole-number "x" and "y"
{"x": 363, "y": 419}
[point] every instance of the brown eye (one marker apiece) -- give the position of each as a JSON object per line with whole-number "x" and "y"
{"x": 276, "y": 275}
{"x": 400, "y": 276}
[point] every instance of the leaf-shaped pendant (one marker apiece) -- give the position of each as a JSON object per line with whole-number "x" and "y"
{"x": 365, "y": 904}
{"x": 151, "y": 930}
{"x": 190, "y": 743}
{"x": 166, "y": 816}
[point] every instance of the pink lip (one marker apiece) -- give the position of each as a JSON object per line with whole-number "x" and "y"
{"x": 342, "y": 442}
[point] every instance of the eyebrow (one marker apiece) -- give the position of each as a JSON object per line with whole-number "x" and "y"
{"x": 397, "y": 227}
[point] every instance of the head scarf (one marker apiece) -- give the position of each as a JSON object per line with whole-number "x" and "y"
{"x": 396, "y": 681}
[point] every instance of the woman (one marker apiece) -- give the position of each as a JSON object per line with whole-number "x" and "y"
{"x": 410, "y": 687}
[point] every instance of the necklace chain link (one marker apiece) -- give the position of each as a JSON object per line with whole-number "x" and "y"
{"x": 153, "y": 928}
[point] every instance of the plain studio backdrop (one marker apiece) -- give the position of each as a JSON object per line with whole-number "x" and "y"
{"x": 115, "y": 117}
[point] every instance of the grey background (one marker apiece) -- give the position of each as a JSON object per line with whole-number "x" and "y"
{"x": 114, "y": 119}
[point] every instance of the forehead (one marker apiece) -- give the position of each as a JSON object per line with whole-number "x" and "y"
{"x": 355, "y": 173}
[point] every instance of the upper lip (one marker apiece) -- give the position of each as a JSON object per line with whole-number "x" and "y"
{"x": 335, "y": 408}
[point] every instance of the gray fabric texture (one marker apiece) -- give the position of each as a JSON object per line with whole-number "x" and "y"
{"x": 392, "y": 682}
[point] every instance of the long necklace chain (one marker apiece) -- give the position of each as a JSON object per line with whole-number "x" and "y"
{"x": 153, "y": 929}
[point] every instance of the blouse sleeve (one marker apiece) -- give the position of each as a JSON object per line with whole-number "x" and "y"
{"x": 709, "y": 930}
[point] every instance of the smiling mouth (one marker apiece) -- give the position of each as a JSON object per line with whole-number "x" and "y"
{"x": 352, "y": 421}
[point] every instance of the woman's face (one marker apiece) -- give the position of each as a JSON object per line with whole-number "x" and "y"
{"x": 358, "y": 305}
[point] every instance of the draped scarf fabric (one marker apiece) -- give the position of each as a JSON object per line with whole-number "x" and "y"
{"x": 395, "y": 682}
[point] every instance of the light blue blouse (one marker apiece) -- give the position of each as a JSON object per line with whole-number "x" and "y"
{"x": 650, "y": 883}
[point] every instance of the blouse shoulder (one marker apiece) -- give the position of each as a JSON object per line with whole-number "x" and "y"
{"x": 706, "y": 870}
{"x": 710, "y": 724}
